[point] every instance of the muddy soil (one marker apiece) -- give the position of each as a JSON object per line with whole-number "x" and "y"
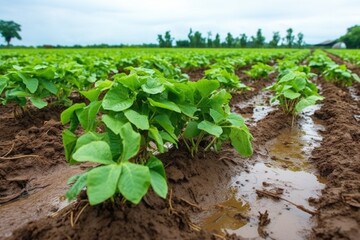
{"x": 338, "y": 159}
{"x": 193, "y": 182}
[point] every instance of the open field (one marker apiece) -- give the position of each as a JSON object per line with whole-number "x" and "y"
{"x": 187, "y": 143}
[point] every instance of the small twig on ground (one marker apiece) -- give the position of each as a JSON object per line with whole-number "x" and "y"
{"x": 12, "y": 148}
{"x": 171, "y": 209}
{"x": 81, "y": 211}
{"x": 191, "y": 204}
{"x": 194, "y": 227}
{"x": 228, "y": 159}
{"x": 72, "y": 219}
{"x": 18, "y": 157}
{"x": 273, "y": 195}
{"x": 219, "y": 236}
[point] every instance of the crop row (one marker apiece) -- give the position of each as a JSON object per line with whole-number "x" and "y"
{"x": 135, "y": 106}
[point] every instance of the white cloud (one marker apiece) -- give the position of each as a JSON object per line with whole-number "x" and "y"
{"x": 139, "y": 21}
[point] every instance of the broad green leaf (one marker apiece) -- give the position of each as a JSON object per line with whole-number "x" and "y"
{"x": 191, "y": 130}
{"x": 97, "y": 151}
{"x": 131, "y": 142}
{"x": 164, "y": 104}
{"x": 210, "y": 128}
{"x": 118, "y": 99}
{"x": 67, "y": 113}
{"x": 156, "y": 165}
{"x": 134, "y": 181}
{"x": 3, "y": 84}
{"x": 216, "y": 116}
{"x": 167, "y": 138}
{"x": 299, "y": 83}
{"x": 87, "y": 116}
{"x": 206, "y": 87}
{"x": 164, "y": 121}
{"x": 305, "y": 102}
{"x": 159, "y": 184}
{"x": 155, "y": 135}
{"x": 153, "y": 86}
{"x": 31, "y": 84}
{"x": 104, "y": 84}
{"x": 38, "y": 102}
{"x": 241, "y": 141}
{"x": 69, "y": 142}
{"x": 288, "y": 77}
{"x": 291, "y": 94}
{"x": 115, "y": 143}
{"x": 139, "y": 120}
{"x": 102, "y": 183}
{"x": 236, "y": 120}
{"x": 131, "y": 81}
{"x": 115, "y": 123}
{"x": 50, "y": 86}
{"x": 80, "y": 183}
{"x": 92, "y": 94}
{"x": 16, "y": 93}
{"x": 188, "y": 109}
{"x": 354, "y": 75}
{"x": 87, "y": 138}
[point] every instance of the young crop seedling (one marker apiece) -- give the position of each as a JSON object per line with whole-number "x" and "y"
{"x": 259, "y": 70}
{"x": 21, "y": 84}
{"x": 134, "y": 116}
{"x": 340, "y": 75}
{"x": 226, "y": 77}
{"x": 294, "y": 92}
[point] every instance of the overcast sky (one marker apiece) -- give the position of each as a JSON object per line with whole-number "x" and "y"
{"x": 69, "y": 22}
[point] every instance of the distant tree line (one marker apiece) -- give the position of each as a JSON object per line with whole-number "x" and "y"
{"x": 11, "y": 29}
{"x": 352, "y": 37}
{"x": 198, "y": 40}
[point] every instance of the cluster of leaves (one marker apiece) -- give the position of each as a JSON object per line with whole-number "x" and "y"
{"x": 349, "y": 55}
{"x": 224, "y": 73}
{"x": 294, "y": 92}
{"x": 33, "y": 83}
{"x": 332, "y": 71}
{"x": 259, "y": 70}
{"x": 340, "y": 74}
{"x": 134, "y": 116}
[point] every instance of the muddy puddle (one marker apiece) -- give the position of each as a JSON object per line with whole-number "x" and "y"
{"x": 260, "y": 105}
{"x": 354, "y": 94}
{"x": 281, "y": 183}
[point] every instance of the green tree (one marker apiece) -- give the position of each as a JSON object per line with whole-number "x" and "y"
{"x": 168, "y": 39}
{"x": 289, "y": 38}
{"x": 300, "y": 40}
{"x": 230, "y": 41}
{"x": 352, "y": 37}
{"x": 243, "y": 40}
{"x": 161, "y": 40}
{"x": 217, "y": 41}
{"x": 259, "y": 40}
{"x": 165, "y": 41}
{"x": 275, "y": 40}
{"x": 209, "y": 41}
{"x": 9, "y": 30}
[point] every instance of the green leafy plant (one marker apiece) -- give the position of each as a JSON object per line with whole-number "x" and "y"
{"x": 259, "y": 70}
{"x": 340, "y": 74}
{"x": 294, "y": 92}
{"x": 28, "y": 83}
{"x": 134, "y": 116}
{"x": 226, "y": 77}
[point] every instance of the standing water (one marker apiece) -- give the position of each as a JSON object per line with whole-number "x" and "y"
{"x": 284, "y": 173}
